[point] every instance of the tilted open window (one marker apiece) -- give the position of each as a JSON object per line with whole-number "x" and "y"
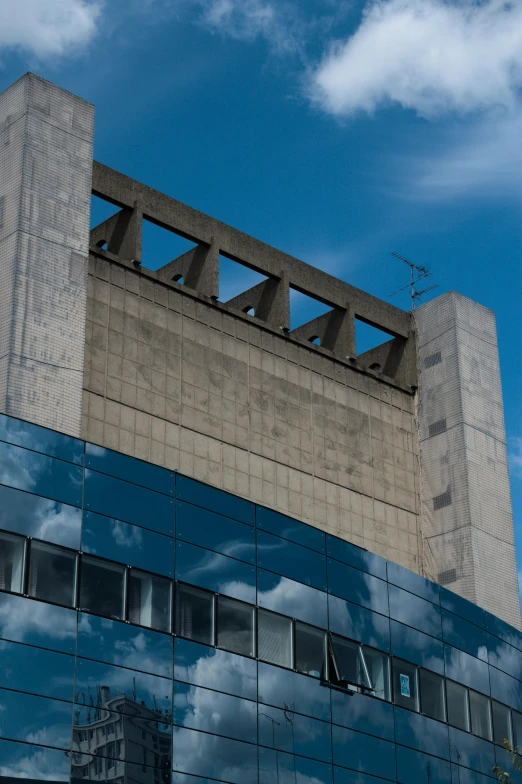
{"x": 348, "y": 664}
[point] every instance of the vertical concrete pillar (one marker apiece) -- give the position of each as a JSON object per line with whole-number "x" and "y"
{"x": 46, "y": 140}
{"x": 467, "y": 518}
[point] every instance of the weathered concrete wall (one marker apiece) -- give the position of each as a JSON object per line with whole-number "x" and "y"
{"x": 466, "y": 501}
{"x": 173, "y": 378}
{"x": 46, "y": 137}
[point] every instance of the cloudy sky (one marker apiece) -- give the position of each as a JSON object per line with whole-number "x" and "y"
{"x": 336, "y": 130}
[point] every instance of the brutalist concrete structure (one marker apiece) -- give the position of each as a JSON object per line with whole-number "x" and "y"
{"x": 349, "y": 443}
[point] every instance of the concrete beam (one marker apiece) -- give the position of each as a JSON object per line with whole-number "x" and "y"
{"x": 202, "y": 229}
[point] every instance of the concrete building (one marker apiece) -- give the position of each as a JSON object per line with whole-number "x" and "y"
{"x": 237, "y": 535}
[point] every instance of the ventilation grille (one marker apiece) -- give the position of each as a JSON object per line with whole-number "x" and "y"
{"x": 448, "y": 576}
{"x": 437, "y": 427}
{"x": 442, "y": 500}
{"x": 433, "y": 359}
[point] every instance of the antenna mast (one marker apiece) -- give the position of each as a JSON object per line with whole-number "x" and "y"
{"x": 416, "y": 273}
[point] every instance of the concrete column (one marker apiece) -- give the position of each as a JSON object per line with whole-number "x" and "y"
{"x": 46, "y": 140}
{"x": 467, "y": 519}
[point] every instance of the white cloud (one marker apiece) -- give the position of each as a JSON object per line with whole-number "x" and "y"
{"x": 47, "y": 27}
{"x": 431, "y": 56}
{"x": 515, "y": 459}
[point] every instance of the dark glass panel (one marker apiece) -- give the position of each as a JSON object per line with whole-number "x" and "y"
{"x": 503, "y": 630}
{"x": 139, "y": 472}
{"x": 378, "y": 668}
{"x": 215, "y": 572}
{"x": 102, "y": 588}
{"x": 517, "y": 728}
{"x": 291, "y": 690}
{"x": 472, "y": 752}
{"x": 414, "y": 767}
{"x": 215, "y": 669}
{"x": 235, "y": 626}
{"x": 343, "y": 776}
{"x": 276, "y": 767}
{"x": 215, "y": 500}
{"x": 421, "y": 733}
{"x": 25, "y": 717}
{"x": 131, "y": 503}
{"x": 211, "y": 711}
{"x": 124, "y": 645}
{"x": 462, "y": 607}
{"x": 108, "y": 729}
{"x": 504, "y": 656}
{"x": 44, "y": 764}
{"x": 12, "y": 556}
{"x": 310, "y": 650}
{"x": 362, "y": 713}
{"x": 36, "y": 670}
{"x": 195, "y": 614}
{"x": 129, "y": 544}
{"x": 39, "y": 474}
{"x": 412, "y": 582}
{"x": 291, "y": 560}
{"x": 37, "y": 623}
{"x": 457, "y": 705}
{"x": 274, "y": 638}
{"x": 124, "y": 690}
{"x": 414, "y": 611}
{"x": 461, "y": 775}
{"x": 405, "y": 684}
{"x": 358, "y": 587}
{"x": 505, "y": 689}
{"x": 218, "y": 758}
{"x": 417, "y": 647}
{"x": 41, "y": 518}
{"x": 466, "y": 669}
{"x": 363, "y": 753}
{"x": 480, "y": 714}
{"x": 464, "y": 635}
{"x": 348, "y": 665}
{"x": 149, "y": 601}
{"x": 355, "y": 556}
{"x": 359, "y": 624}
{"x": 85, "y": 767}
{"x": 501, "y": 723}
{"x": 41, "y": 439}
{"x": 281, "y": 525}
{"x": 291, "y": 598}
{"x": 52, "y": 574}
{"x": 432, "y": 695}
{"x": 288, "y": 731}
{"x": 215, "y": 532}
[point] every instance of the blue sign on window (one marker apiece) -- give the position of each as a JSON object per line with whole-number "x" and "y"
{"x": 405, "y": 686}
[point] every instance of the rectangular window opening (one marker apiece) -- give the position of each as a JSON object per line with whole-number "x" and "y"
{"x": 195, "y": 614}
{"x": 378, "y": 668}
{"x": 52, "y": 574}
{"x": 310, "y": 650}
{"x": 274, "y": 638}
{"x": 457, "y": 705}
{"x": 405, "y": 685}
{"x": 102, "y": 588}
{"x": 480, "y": 715}
{"x": 149, "y": 601}
{"x": 349, "y": 667}
{"x": 235, "y": 626}
{"x": 442, "y": 500}
{"x": 437, "y": 427}
{"x": 433, "y": 702}
{"x": 501, "y": 723}
{"x": 12, "y": 552}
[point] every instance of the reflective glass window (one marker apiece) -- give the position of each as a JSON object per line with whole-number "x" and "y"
{"x": 215, "y": 669}
{"x": 405, "y": 684}
{"x": 414, "y": 611}
{"x": 216, "y": 500}
{"x": 12, "y": 549}
{"x": 37, "y": 623}
{"x": 281, "y": 688}
{"x": 517, "y": 727}
{"x": 218, "y": 758}
{"x": 149, "y": 601}
{"x": 36, "y": 670}
{"x": 215, "y": 532}
{"x": 501, "y": 723}
{"x": 412, "y": 582}
{"x": 417, "y": 647}
{"x": 358, "y": 587}
{"x": 291, "y": 560}
{"x": 480, "y": 715}
{"x": 39, "y": 474}
{"x": 363, "y": 753}
{"x": 355, "y": 556}
{"x": 348, "y": 664}
{"x": 289, "y": 731}
{"x": 195, "y": 614}
{"x": 41, "y": 439}
{"x": 26, "y": 717}
{"x": 102, "y": 588}
{"x": 432, "y": 695}
{"x": 288, "y": 528}
{"x": 211, "y": 711}
{"x": 215, "y": 572}
{"x": 140, "y": 472}
{"x": 20, "y": 758}
{"x": 457, "y": 705}
{"x": 358, "y": 623}
{"x": 274, "y": 638}
{"x": 31, "y": 515}
{"x": 378, "y": 668}
{"x": 310, "y": 650}
{"x": 291, "y": 598}
{"x": 52, "y": 574}
{"x": 466, "y": 669}
{"x": 235, "y": 626}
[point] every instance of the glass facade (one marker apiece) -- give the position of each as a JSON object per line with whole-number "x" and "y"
{"x": 154, "y": 629}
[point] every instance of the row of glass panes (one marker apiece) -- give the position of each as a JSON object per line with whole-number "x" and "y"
{"x": 54, "y": 574}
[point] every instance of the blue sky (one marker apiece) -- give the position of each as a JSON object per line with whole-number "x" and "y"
{"x": 338, "y": 131}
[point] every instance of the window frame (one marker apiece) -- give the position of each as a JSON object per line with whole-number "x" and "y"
{"x": 325, "y": 676}
{"x": 224, "y": 597}
{"x": 416, "y": 669}
{"x": 489, "y": 717}
{"x": 133, "y": 570}
{"x": 115, "y": 566}
{"x": 509, "y": 712}
{"x": 9, "y": 535}
{"x": 27, "y": 569}
{"x": 364, "y": 688}
{"x": 179, "y": 588}
{"x": 260, "y": 611}
{"x": 443, "y": 690}
{"x": 468, "y": 712}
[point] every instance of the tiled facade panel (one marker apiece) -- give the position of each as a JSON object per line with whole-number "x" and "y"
{"x": 178, "y": 382}
{"x": 156, "y": 707}
{"x": 45, "y": 185}
{"x": 467, "y": 518}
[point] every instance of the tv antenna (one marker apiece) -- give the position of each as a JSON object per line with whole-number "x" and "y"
{"x": 416, "y": 273}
